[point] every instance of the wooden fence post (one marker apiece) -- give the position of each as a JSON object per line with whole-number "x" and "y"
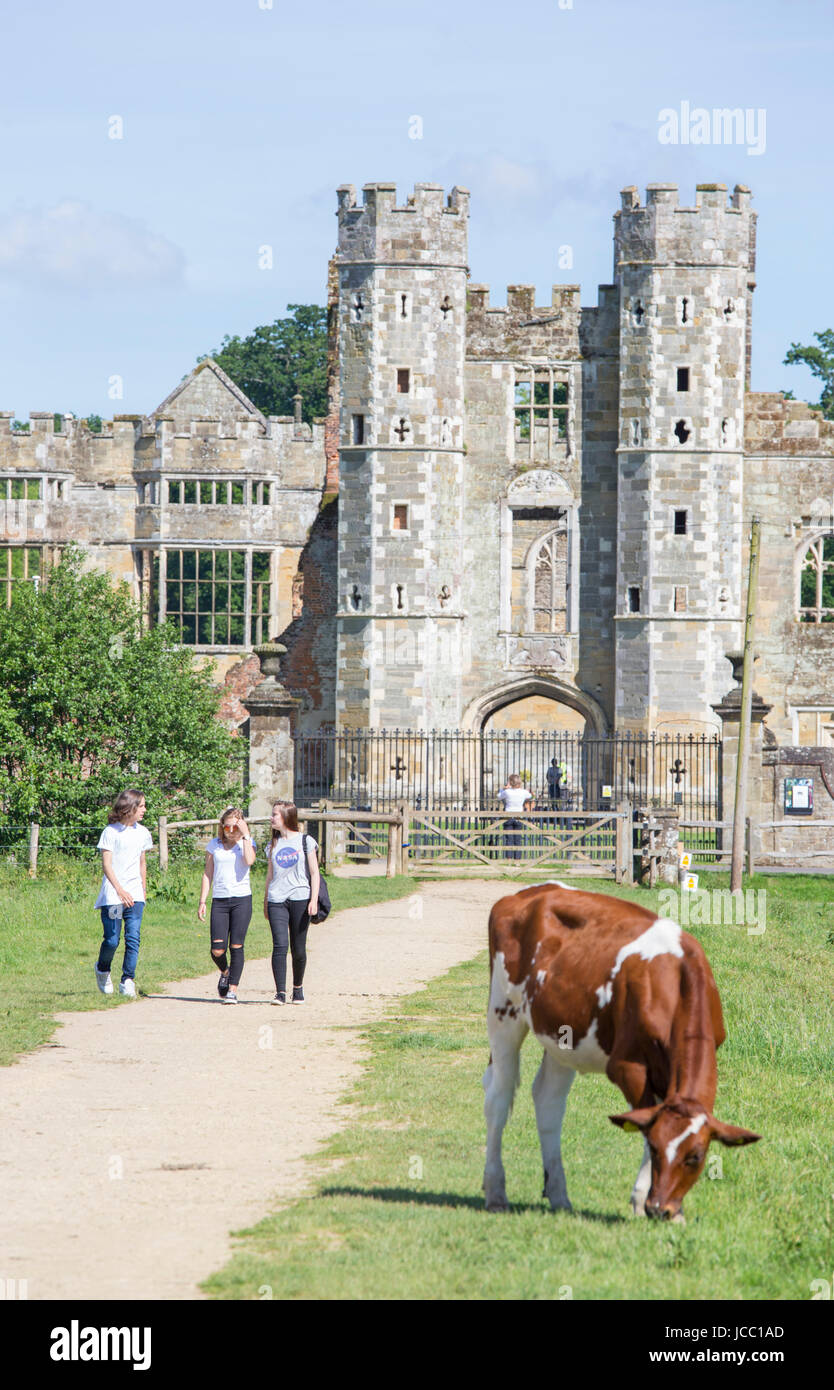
{"x": 624, "y": 844}
{"x": 394, "y": 861}
{"x": 163, "y": 842}
{"x": 405, "y": 835}
{"x": 326, "y": 835}
{"x": 34, "y": 833}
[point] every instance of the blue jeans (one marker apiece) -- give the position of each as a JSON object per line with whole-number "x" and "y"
{"x": 112, "y": 931}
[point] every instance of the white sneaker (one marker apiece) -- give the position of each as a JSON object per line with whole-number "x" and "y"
{"x": 230, "y": 998}
{"x": 103, "y": 980}
{"x": 127, "y": 987}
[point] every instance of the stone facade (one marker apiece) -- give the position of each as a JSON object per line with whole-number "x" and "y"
{"x": 542, "y": 510}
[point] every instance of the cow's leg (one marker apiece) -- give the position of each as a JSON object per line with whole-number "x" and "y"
{"x": 550, "y": 1095}
{"x": 642, "y": 1182}
{"x": 500, "y": 1081}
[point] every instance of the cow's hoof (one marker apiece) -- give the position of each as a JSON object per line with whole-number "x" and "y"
{"x": 560, "y": 1204}
{"x": 497, "y": 1204}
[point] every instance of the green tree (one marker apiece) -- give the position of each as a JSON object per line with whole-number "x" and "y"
{"x": 91, "y": 702}
{"x": 820, "y": 359}
{"x": 278, "y": 359}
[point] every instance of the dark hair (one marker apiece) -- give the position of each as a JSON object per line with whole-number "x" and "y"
{"x": 221, "y": 827}
{"x": 289, "y": 811}
{"x": 125, "y": 804}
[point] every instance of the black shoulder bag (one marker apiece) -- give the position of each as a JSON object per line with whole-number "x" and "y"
{"x": 324, "y": 895}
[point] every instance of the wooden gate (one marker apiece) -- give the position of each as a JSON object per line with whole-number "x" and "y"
{"x": 590, "y": 843}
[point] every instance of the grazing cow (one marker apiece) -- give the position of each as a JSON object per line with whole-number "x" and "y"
{"x": 605, "y": 985}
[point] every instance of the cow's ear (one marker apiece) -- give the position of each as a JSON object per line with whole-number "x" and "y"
{"x": 633, "y": 1120}
{"x": 732, "y": 1134}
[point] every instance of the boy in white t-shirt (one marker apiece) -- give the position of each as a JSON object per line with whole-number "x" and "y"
{"x": 121, "y": 899}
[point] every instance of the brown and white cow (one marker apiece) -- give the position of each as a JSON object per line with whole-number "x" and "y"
{"x": 605, "y": 985}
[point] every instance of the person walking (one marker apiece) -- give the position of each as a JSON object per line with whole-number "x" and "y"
{"x": 121, "y": 901}
{"x": 229, "y": 857}
{"x": 291, "y": 898}
{"x": 514, "y": 798}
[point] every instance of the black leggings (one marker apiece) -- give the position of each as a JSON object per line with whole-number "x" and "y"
{"x": 230, "y": 918}
{"x": 290, "y": 917}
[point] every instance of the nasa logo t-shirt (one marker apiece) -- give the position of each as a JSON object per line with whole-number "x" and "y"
{"x": 289, "y": 874}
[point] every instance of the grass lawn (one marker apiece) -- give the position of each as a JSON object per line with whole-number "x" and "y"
{"x": 400, "y": 1214}
{"x": 49, "y": 939}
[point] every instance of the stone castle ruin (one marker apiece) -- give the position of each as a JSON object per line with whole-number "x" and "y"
{"x": 516, "y": 516}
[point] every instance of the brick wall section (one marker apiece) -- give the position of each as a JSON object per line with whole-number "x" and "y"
{"x": 238, "y": 682}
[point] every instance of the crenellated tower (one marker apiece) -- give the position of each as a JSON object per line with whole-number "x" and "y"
{"x": 685, "y": 277}
{"x": 401, "y": 309}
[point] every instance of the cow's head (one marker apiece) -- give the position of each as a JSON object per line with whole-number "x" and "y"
{"x": 678, "y": 1133}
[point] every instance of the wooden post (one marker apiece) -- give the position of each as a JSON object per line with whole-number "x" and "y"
{"x": 746, "y": 708}
{"x": 34, "y": 833}
{"x": 751, "y": 868}
{"x": 163, "y": 842}
{"x": 326, "y": 833}
{"x": 624, "y": 852}
{"x": 394, "y": 860}
{"x": 405, "y": 827}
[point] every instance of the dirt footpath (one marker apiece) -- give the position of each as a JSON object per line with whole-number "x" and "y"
{"x": 134, "y": 1143}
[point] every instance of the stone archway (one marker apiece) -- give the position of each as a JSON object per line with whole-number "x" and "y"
{"x": 539, "y": 688}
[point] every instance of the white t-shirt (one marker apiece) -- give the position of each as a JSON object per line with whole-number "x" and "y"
{"x": 231, "y": 871}
{"x": 127, "y": 844}
{"x": 514, "y": 798}
{"x": 289, "y": 875}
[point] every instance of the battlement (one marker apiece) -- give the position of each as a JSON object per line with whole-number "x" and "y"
{"x": 521, "y": 328}
{"x": 428, "y": 229}
{"x": 718, "y": 230}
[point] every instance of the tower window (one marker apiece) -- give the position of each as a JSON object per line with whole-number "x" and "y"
{"x": 681, "y": 432}
{"x": 358, "y": 429}
{"x": 403, "y": 380}
{"x": 541, "y": 413}
{"x": 403, "y": 302}
{"x": 634, "y": 600}
{"x": 400, "y": 591}
{"x": 680, "y": 523}
{"x": 399, "y": 521}
{"x": 683, "y": 378}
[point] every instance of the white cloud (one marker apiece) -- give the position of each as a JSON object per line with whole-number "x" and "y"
{"x": 74, "y": 246}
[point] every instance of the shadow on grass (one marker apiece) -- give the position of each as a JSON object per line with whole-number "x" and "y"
{"x": 408, "y": 1195}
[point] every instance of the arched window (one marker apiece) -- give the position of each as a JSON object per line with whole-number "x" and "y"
{"x": 816, "y": 582}
{"x": 548, "y": 583}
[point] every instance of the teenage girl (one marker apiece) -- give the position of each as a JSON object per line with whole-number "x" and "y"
{"x": 121, "y": 899}
{"x": 290, "y": 899}
{"x": 229, "y": 857}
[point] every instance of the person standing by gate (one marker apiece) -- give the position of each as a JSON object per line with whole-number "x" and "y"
{"x": 514, "y": 798}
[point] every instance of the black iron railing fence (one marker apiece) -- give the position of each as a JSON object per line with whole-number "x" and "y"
{"x": 377, "y": 769}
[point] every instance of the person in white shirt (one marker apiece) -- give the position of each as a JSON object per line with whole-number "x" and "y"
{"x": 121, "y": 899}
{"x": 291, "y": 898}
{"x": 514, "y": 798}
{"x": 229, "y": 857}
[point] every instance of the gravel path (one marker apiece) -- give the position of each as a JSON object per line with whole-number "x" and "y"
{"x": 134, "y": 1142}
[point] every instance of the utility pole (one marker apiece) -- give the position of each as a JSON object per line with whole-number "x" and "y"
{"x": 746, "y": 706}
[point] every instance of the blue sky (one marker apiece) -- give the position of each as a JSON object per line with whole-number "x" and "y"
{"x": 128, "y": 258}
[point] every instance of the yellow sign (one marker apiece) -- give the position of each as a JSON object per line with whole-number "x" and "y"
{"x": 690, "y": 883}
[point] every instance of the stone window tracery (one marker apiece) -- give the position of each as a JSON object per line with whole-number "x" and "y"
{"x": 816, "y": 582}
{"x": 548, "y": 579}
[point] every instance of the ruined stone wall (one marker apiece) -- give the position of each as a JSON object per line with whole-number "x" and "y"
{"x": 789, "y": 483}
